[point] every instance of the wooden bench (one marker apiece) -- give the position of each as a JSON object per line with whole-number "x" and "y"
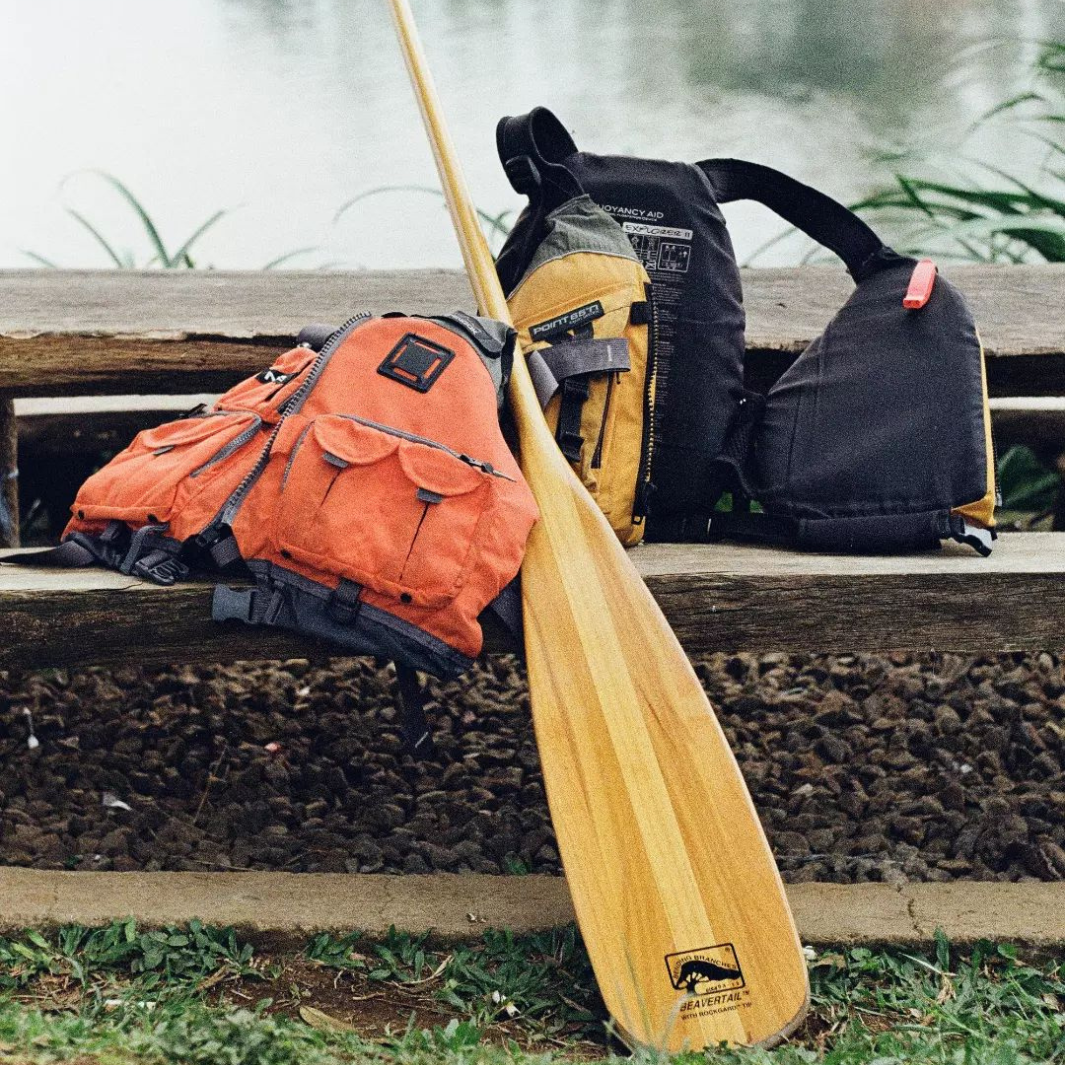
{"x": 116, "y": 333}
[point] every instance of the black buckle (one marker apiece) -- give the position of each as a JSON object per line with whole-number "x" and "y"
{"x": 161, "y": 567}
{"x": 572, "y": 395}
{"x": 522, "y": 174}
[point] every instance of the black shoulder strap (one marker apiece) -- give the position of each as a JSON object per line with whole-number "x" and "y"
{"x": 415, "y": 728}
{"x": 818, "y": 216}
{"x": 531, "y": 148}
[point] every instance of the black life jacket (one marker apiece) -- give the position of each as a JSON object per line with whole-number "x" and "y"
{"x": 877, "y": 438}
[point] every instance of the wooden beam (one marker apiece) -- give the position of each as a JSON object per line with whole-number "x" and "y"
{"x": 60, "y": 426}
{"x": 69, "y": 332}
{"x": 84, "y": 332}
{"x": 50, "y": 428}
{"x": 1035, "y": 422}
{"x": 717, "y": 597}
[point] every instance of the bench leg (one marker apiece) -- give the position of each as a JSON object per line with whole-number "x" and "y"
{"x": 9, "y": 536}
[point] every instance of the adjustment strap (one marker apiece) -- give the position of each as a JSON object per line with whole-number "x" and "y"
{"x": 507, "y": 607}
{"x": 225, "y": 552}
{"x": 728, "y": 470}
{"x": 413, "y": 724}
{"x": 820, "y": 217}
{"x": 574, "y": 393}
{"x": 345, "y": 602}
{"x": 75, "y": 552}
{"x": 549, "y": 367}
{"x": 757, "y": 528}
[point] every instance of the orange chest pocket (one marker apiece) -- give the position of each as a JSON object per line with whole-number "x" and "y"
{"x": 389, "y": 511}
{"x": 267, "y": 393}
{"x": 166, "y": 467}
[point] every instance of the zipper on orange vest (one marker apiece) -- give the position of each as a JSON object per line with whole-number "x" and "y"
{"x": 212, "y": 533}
{"x": 478, "y": 464}
{"x": 233, "y": 446}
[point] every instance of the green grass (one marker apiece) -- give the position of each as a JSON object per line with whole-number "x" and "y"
{"x": 980, "y": 212}
{"x": 1028, "y": 489}
{"x": 197, "y": 994}
{"x": 496, "y": 227}
{"x": 156, "y": 252}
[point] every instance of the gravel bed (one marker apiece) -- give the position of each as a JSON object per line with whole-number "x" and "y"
{"x": 862, "y": 767}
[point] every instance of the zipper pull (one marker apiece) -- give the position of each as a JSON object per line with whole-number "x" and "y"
{"x": 484, "y": 467}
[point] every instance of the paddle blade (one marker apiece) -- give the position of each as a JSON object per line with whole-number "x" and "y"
{"x": 676, "y": 893}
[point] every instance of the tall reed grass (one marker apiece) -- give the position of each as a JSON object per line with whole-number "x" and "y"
{"x": 989, "y": 214}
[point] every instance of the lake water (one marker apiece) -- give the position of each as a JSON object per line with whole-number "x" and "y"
{"x": 283, "y": 111}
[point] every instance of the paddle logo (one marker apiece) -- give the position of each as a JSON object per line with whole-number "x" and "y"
{"x": 707, "y": 971}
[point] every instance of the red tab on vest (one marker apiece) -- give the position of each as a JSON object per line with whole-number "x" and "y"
{"x": 922, "y": 280}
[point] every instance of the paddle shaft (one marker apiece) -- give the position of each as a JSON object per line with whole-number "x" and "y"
{"x": 676, "y": 893}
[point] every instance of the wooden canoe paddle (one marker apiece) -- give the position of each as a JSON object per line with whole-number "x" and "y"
{"x": 676, "y": 892}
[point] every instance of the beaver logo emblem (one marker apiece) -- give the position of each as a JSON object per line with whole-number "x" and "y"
{"x": 706, "y": 971}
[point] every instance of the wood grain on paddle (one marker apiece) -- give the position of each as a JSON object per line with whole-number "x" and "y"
{"x": 676, "y": 893}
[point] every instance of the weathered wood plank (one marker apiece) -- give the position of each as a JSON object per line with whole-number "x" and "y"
{"x": 68, "y": 425}
{"x": 1038, "y": 423}
{"x": 9, "y": 520}
{"x": 68, "y": 332}
{"x": 718, "y": 597}
{"x": 90, "y": 424}
{"x": 65, "y": 332}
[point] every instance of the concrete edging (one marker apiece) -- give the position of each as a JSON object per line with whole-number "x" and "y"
{"x": 288, "y": 908}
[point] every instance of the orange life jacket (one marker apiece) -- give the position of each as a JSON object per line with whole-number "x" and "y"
{"x": 366, "y": 486}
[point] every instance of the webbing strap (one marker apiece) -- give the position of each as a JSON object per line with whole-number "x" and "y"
{"x": 531, "y": 148}
{"x": 70, "y": 554}
{"x": 758, "y": 528}
{"x": 345, "y": 602}
{"x": 414, "y": 726}
{"x": 507, "y": 607}
{"x": 144, "y": 553}
{"x": 729, "y": 469}
{"x": 574, "y": 394}
{"x": 820, "y": 217}
{"x": 225, "y": 552}
{"x": 549, "y": 367}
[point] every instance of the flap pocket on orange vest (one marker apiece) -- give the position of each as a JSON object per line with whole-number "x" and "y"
{"x": 164, "y": 468}
{"x": 383, "y": 508}
{"x": 267, "y": 393}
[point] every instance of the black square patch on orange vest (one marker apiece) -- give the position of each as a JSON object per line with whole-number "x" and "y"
{"x": 416, "y": 362}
